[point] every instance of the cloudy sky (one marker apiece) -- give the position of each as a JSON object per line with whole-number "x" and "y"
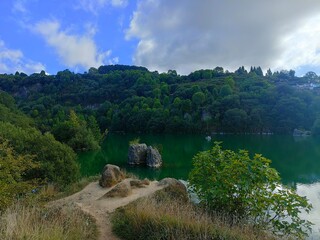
{"x": 184, "y": 35}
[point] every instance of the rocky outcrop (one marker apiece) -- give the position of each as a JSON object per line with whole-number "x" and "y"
{"x": 122, "y": 189}
{"x": 137, "y": 154}
{"x": 153, "y": 158}
{"x": 175, "y": 189}
{"x": 141, "y": 154}
{"x": 111, "y": 175}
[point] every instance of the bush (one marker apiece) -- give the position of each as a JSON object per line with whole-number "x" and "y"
{"x": 248, "y": 189}
{"x": 13, "y": 171}
{"x": 57, "y": 161}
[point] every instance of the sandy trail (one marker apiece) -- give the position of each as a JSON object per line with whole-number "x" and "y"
{"x": 88, "y": 201}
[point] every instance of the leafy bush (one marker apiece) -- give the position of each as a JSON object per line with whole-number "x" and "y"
{"x": 57, "y": 161}
{"x": 248, "y": 189}
{"x": 13, "y": 171}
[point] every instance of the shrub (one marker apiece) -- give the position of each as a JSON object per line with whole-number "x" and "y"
{"x": 13, "y": 171}
{"x": 248, "y": 189}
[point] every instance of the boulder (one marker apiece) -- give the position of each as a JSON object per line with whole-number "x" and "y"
{"x": 111, "y": 175}
{"x": 153, "y": 158}
{"x": 175, "y": 189}
{"x": 122, "y": 189}
{"x": 137, "y": 154}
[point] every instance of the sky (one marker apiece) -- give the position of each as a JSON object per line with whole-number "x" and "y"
{"x": 182, "y": 35}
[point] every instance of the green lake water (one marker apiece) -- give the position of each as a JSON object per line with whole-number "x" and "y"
{"x": 296, "y": 158}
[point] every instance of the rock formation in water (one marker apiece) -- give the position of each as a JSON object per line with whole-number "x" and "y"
{"x": 141, "y": 154}
{"x": 111, "y": 175}
{"x": 153, "y": 158}
{"x": 137, "y": 154}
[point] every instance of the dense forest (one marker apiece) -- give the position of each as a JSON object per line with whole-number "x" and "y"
{"x": 78, "y": 108}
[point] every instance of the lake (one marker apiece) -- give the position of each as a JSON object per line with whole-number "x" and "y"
{"x": 297, "y": 159}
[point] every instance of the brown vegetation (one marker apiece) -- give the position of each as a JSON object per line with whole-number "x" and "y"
{"x": 163, "y": 216}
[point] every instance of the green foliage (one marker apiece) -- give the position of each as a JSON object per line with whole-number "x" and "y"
{"x": 133, "y": 99}
{"x": 198, "y": 98}
{"x": 14, "y": 180}
{"x": 134, "y": 141}
{"x": 248, "y": 189}
{"x": 57, "y": 161}
{"x": 77, "y": 134}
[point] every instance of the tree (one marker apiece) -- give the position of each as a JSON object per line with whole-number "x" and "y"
{"x": 225, "y": 90}
{"x": 248, "y": 189}
{"x": 235, "y": 120}
{"x": 198, "y": 98}
{"x": 76, "y": 134}
{"x": 13, "y": 171}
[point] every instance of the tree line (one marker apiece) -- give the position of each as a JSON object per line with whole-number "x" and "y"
{"x": 133, "y": 99}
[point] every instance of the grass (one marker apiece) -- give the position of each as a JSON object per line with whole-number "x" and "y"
{"x": 52, "y": 192}
{"x": 30, "y": 219}
{"x": 160, "y": 217}
{"x": 34, "y": 223}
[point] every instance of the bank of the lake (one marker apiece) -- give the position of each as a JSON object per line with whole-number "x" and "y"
{"x": 296, "y": 158}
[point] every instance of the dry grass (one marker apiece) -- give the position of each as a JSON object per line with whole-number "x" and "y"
{"x": 51, "y": 192}
{"x": 153, "y": 218}
{"x": 34, "y": 223}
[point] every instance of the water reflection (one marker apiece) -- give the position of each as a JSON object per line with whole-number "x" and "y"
{"x": 312, "y": 192}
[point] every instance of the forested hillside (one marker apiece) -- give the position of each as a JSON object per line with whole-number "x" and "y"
{"x": 133, "y": 99}
{"x": 29, "y": 158}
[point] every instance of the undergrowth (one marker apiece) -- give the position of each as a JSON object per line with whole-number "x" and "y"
{"x": 34, "y": 223}
{"x": 164, "y": 217}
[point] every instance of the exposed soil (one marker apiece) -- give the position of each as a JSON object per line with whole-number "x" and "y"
{"x": 88, "y": 200}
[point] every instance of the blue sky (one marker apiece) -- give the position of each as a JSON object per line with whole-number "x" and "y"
{"x": 184, "y": 35}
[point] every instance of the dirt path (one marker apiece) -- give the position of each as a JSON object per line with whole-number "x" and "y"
{"x": 88, "y": 201}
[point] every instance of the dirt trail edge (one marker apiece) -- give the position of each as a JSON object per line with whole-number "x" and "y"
{"x": 88, "y": 201}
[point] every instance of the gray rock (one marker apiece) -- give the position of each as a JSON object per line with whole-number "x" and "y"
{"x": 172, "y": 182}
{"x": 175, "y": 189}
{"x": 153, "y": 158}
{"x": 137, "y": 154}
{"x": 111, "y": 175}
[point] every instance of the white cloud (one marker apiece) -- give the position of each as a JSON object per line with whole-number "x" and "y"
{"x": 19, "y": 6}
{"x": 119, "y": 3}
{"x": 73, "y": 50}
{"x": 12, "y": 60}
{"x": 302, "y": 46}
{"x": 186, "y": 35}
{"x": 94, "y": 6}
